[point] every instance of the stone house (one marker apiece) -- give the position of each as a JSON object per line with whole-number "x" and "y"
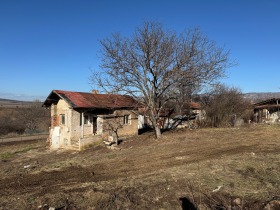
{"x": 267, "y": 111}
{"x": 79, "y": 119}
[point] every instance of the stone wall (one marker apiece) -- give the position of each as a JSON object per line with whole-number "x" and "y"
{"x": 84, "y": 142}
{"x": 54, "y": 116}
{"x": 266, "y": 116}
{"x": 76, "y": 131}
{"x": 131, "y": 128}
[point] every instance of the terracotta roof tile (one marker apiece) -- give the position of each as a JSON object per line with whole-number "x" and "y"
{"x": 91, "y": 100}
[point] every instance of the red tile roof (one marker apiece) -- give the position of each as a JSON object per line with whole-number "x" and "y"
{"x": 91, "y": 100}
{"x": 195, "y": 105}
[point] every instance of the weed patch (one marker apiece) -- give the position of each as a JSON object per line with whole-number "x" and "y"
{"x": 9, "y": 155}
{"x": 6, "y": 155}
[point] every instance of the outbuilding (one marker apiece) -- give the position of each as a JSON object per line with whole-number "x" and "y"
{"x": 267, "y": 111}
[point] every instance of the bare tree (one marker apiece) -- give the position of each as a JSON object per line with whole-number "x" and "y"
{"x": 112, "y": 126}
{"x": 159, "y": 66}
{"x": 224, "y": 104}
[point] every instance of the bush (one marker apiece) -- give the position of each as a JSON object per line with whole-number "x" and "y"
{"x": 27, "y": 119}
{"x": 224, "y": 105}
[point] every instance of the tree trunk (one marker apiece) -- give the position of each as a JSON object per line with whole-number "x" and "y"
{"x": 117, "y": 138}
{"x": 157, "y": 131}
{"x": 155, "y": 124}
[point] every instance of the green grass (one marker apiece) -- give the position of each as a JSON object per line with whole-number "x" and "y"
{"x": 26, "y": 149}
{"x": 9, "y": 155}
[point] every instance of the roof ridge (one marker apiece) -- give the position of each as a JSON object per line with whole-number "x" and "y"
{"x": 69, "y": 91}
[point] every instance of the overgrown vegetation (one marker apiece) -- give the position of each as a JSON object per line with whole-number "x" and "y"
{"x": 25, "y": 119}
{"x": 225, "y": 106}
{"x": 11, "y": 154}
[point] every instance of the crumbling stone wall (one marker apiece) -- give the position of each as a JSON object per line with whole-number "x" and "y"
{"x": 54, "y": 117}
{"x": 131, "y": 128}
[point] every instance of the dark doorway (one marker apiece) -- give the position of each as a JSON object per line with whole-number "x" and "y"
{"x": 94, "y": 125}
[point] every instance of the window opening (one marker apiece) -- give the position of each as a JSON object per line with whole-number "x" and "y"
{"x": 62, "y": 119}
{"x": 126, "y": 119}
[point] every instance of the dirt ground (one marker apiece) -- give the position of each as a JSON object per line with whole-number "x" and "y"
{"x": 186, "y": 169}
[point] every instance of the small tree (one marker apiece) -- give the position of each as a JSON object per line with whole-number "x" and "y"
{"x": 112, "y": 126}
{"x": 159, "y": 66}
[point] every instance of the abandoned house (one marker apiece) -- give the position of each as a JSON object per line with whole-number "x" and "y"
{"x": 79, "y": 119}
{"x": 170, "y": 118}
{"x": 190, "y": 112}
{"x": 267, "y": 111}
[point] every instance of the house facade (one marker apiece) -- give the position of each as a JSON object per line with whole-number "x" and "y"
{"x": 267, "y": 111}
{"x": 79, "y": 119}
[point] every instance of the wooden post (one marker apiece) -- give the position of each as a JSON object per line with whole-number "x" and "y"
{"x": 260, "y": 116}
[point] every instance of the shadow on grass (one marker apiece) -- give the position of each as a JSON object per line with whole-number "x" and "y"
{"x": 145, "y": 130}
{"x": 187, "y": 204}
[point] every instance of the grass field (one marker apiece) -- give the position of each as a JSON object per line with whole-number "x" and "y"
{"x": 186, "y": 169}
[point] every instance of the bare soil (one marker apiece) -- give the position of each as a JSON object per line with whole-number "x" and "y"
{"x": 186, "y": 169}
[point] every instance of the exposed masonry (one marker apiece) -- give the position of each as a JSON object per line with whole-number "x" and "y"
{"x": 79, "y": 119}
{"x": 267, "y": 111}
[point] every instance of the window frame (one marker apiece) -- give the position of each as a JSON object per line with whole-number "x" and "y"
{"x": 86, "y": 120}
{"x": 127, "y": 119}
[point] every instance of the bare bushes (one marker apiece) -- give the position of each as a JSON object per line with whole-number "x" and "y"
{"x": 28, "y": 119}
{"x": 10, "y": 124}
{"x": 34, "y": 117}
{"x": 226, "y": 106}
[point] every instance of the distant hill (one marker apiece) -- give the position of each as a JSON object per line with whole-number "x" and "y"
{"x": 256, "y": 97}
{"x": 8, "y": 103}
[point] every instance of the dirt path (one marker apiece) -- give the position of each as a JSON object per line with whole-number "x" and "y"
{"x": 25, "y": 138}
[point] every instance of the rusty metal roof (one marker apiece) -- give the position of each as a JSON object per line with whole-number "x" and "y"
{"x": 195, "y": 105}
{"x": 268, "y": 101}
{"x": 91, "y": 100}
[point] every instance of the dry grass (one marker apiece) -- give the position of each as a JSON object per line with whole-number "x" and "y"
{"x": 180, "y": 170}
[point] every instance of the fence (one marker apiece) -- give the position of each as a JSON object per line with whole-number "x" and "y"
{"x": 30, "y": 137}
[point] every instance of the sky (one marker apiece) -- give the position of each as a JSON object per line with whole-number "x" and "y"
{"x": 55, "y": 44}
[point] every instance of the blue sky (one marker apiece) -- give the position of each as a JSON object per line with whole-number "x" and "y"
{"x": 54, "y": 44}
